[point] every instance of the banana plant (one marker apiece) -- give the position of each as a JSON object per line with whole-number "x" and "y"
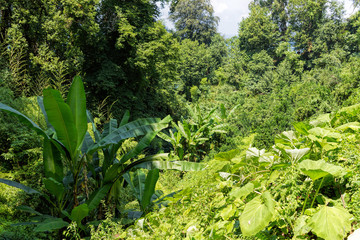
{"x": 191, "y": 135}
{"x": 69, "y": 151}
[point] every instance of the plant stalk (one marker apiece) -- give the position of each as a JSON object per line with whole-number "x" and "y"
{"x": 307, "y": 197}
{"x": 317, "y": 191}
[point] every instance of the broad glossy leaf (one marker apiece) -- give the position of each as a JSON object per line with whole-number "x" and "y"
{"x": 287, "y": 138}
{"x": 296, "y": 154}
{"x": 319, "y": 169}
{"x": 50, "y": 224}
{"x": 109, "y": 127}
{"x": 26, "y": 189}
{"x": 172, "y": 165}
{"x": 331, "y": 223}
{"x": 76, "y": 99}
{"x": 53, "y": 166}
{"x": 136, "y": 181}
{"x": 133, "y": 129}
{"x": 41, "y": 105}
{"x": 24, "y": 119}
{"x": 97, "y": 196}
{"x": 54, "y": 187}
{"x": 325, "y": 132}
{"x": 79, "y": 213}
{"x": 254, "y": 152}
{"x": 87, "y": 143}
{"x": 61, "y": 118}
{"x": 240, "y": 192}
{"x": 90, "y": 119}
{"x": 180, "y": 127}
{"x": 148, "y": 191}
{"x": 28, "y": 209}
{"x": 257, "y": 214}
{"x": 145, "y": 141}
{"x": 166, "y": 138}
{"x": 125, "y": 118}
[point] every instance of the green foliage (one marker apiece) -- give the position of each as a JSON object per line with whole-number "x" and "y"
{"x": 70, "y": 151}
{"x": 190, "y": 138}
{"x": 265, "y": 194}
{"x": 194, "y": 20}
{"x": 258, "y": 32}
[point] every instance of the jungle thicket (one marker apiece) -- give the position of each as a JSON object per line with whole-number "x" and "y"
{"x": 114, "y": 127}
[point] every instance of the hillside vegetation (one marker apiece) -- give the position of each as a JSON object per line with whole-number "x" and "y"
{"x": 114, "y": 127}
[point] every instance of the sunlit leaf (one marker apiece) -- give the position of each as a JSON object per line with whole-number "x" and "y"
{"x": 238, "y": 192}
{"x": 331, "y": 223}
{"x": 319, "y": 169}
{"x": 257, "y": 214}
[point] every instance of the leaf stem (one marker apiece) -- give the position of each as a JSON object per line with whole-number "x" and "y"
{"x": 317, "y": 191}
{"x": 307, "y": 197}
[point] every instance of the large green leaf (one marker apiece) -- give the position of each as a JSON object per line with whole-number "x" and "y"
{"x": 53, "y": 165}
{"x": 150, "y": 183}
{"x": 287, "y": 138}
{"x": 79, "y": 213}
{"x": 42, "y": 108}
{"x": 296, "y": 154}
{"x": 61, "y": 118}
{"x": 97, "y": 196}
{"x": 29, "y": 210}
{"x": 331, "y": 223}
{"x": 136, "y": 181}
{"x": 109, "y": 127}
{"x": 133, "y": 129}
{"x": 257, "y": 214}
{"x": 325, "y": 133}
{"x": 87, "y": 143}
{"x": 238, "y": 192}
{"x": 319, "y": 169}
{"x": 50, "y": 224}
{"x": 90, "y": 119}
{"x": 254, "y": 153}
{"x": 24, "y": 119}
{"x": 26, "y": 189}
{"x": 54, "y": 187}
{"x": 125, "y": 118}
{"x": 171, "y": 165}
{"x": 76, "y": 99}
{"x": 145, "y": 141}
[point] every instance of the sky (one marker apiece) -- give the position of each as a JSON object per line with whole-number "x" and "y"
{"x": 231, "y": 12}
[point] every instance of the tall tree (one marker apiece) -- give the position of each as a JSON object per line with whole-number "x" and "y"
{"x": 194, "y": 19}
{"x": 258, "y": 32}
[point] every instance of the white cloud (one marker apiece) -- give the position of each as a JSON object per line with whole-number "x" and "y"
{"x": 219, "y": 6}
{"x": 231, "y": 12}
